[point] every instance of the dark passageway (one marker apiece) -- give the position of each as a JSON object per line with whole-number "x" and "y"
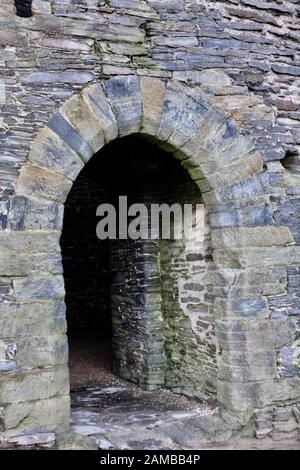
{"x": 107, "y": 280}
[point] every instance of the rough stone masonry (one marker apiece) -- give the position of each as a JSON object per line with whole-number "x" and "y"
{"x": 215, "y": 83}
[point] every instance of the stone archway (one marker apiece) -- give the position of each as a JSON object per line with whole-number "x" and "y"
{"x": 228, "y": 171}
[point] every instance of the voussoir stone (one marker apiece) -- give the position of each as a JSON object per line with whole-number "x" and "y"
{"x": 66, "y": 132}
{"x": 77, "y": 112}
{"x": 37, "y": 181}
{"x": 194, "y": 110}
{"x": 50, "y": 151}
{"x": 100, "y": 107}
{"x": 124, "y": 94}
{"x": 153, "y": 92}
{"x": 172, "y": 107}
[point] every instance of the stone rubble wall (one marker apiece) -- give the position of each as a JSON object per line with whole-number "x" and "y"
{"x": 245, "y": 54}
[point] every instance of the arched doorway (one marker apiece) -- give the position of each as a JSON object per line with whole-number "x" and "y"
{"x": 145, "y": 303}
{"x": 229, "y": 172}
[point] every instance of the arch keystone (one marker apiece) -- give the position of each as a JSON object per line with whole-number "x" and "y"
{"x": 153, "y": 92}
{"x": 124, "y": 94}
{"x": 99, "y": 105}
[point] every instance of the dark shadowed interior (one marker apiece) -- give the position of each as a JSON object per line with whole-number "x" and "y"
{"x": 145, "y": 173}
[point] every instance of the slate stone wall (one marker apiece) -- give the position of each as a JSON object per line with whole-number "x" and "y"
{"x": 244, "y": 57}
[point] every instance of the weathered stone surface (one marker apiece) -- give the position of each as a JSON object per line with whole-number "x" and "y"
{"x": 73, "y": 441}
{"x": 32, "y": 319}
{"x": 37, "y": 181}
{"x": 288, "y": 360}
{"x": 49, "y": 151}
{"x": 241, "y": 335}
{"x": 265, "y": 257}
{"x": 45, "y": 440}
{"x": 153, "y": 91}
{"x": 194, "y": 109}
{"x": 80, "y": 116}
{"x": 34, "y": 385}
{"x": 246, "y": 367}
{"x": 39, "y": 288}
{"x": 125, "y": 97}
{"x": 245, "y": 396}
{"x": 96, "y": 100}
{"x": 40, "y": 351}
{"x": 29, "y": 241}
{"x": 66, "y": 132}
{"x": 244, "y": 48}
{"x": 242, "y": 308}
{"x": 21, "y": 264}
{"x": 40, "y": 78}
{"x": 252, "y": 236}
{"x": 34, "y": 214}
{"x": 172, "y": 108}
{"x": 43, "y": 416}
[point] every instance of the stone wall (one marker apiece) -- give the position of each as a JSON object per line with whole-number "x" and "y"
{"x": 244, "y": 56}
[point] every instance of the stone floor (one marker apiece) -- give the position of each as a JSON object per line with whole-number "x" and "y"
{"x": 119, "y": 415}
{"x": 110, "y": 413}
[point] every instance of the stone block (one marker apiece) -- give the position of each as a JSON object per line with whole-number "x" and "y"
{"x": 70, "y": 136}
{"x": 42, "y": 182}
{"x": 246, "y": 190}
{"x": 259, "y": 214}
{"x": 251, "y": 257}
{"x": 172, "y": 108}
{"x": 29, "y": 241}
{"x": 242, "y": 308}
{"x": 288, "y": 360}
{"x": 246, "y": 396}
{"x": 238, "y": 171}
{"x": 52, "y": 414}
{"x": 39, "y": 288}
{"x": 153, "y": 92}
{"x": 251, "y": 236}
{"x": 241, "y": 335}
{"x": 50, "y": 151}
{"x": 78, "y": 77}
{"x": 32, "y": 319}
{"x": 124, "y": 95}
{"x": 96, "y": 100}
{"x": 33, "y": 385}
{"x": 21, "y": 264}
{"x": 41, "y": 351}
{"x": 29, "y": 213}
{"x": 79, "y": 115}
{"x": 195, "y": 108}
{"x": 237, "y": 366}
